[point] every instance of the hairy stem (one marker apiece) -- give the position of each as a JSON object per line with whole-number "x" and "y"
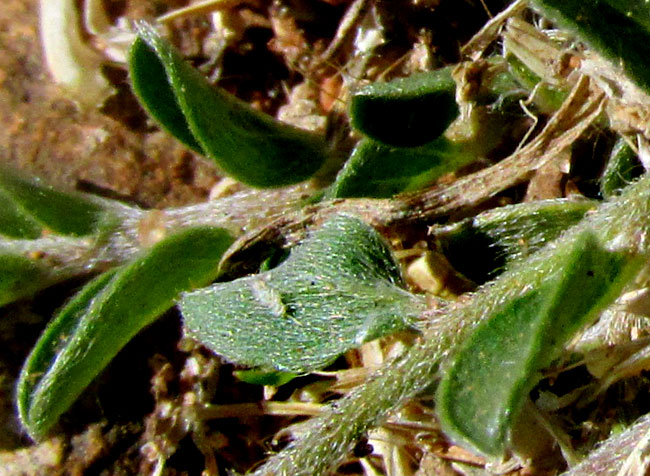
{"x": 622, "y": 224}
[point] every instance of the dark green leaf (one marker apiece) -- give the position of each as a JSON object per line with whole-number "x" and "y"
{"x": 14, "y": 222}
{"x": 482, "y": 392}
{"x": 337, "y": 290}
{"x": 634, "y": 9}
{"x": 377, "y": 170}
{"x": 105, "y": 315}
{"x": 153, "y": 89}
{"x": 28, "y": 208}
{"x": 406, "y": 112}
{"x": 43, "y": 356}
{"x": 250, "y": 146}
{"x": 613, "y": 28}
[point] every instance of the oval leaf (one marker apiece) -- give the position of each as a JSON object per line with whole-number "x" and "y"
{"x": 494, "y": 370}
{"x": 250, "y": 146}
{"x": 337, "y": 290}
{"x": 89, "y": 331}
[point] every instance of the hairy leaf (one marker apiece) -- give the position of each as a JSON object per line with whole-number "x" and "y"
{"x": 480, "y": 247}
{"x": 250, "y": 146}
{"x": 337, "y": 290}
{"x": 482, "y": 392}
{"x": 89, "y": 331}
{"x": 622, "y": 167}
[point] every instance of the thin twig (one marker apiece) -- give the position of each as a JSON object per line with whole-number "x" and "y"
{"x": 349, "y": 22}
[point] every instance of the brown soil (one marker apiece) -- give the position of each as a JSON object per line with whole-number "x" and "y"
{"x": 46, "y": 134}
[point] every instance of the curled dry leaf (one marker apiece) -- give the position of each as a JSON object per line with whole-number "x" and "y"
{"x": 71, "y": 62}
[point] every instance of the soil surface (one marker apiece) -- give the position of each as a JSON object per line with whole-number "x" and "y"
{"x": 47, "y": 134}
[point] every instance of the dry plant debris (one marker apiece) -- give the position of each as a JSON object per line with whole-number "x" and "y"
{"x": 203, "y": 420}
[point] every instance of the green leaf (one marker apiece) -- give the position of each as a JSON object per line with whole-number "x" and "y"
{"x": 482, "y": 392}
{"x": 377, "y": 170}
{"x": 614, "y": 28}
{"x": 481, "y": 246}
{"x": 28, "y": 207}
{"x": 265, "y": 377}
{"x": 55, "y": 339}
{"x": 547, "y": 97}
{"x": 406, "y": 112}
{"x": 250, "y": 146}
{"x": 14, "y": 222}
{"x": 337, "y": 290}
{"x": 89, "y": 331}
{"x": 622, "y": 167}
{"x": 21, "y": 277}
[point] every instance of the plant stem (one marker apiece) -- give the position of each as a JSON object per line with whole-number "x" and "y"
{"x": 279, "y": 217}
{"x": 622, "y": 225}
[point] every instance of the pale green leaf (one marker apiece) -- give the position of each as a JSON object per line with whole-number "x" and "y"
{"x": 337, "y": 290}
{"x": 480, "y": 247}
{"x": 622, "y": 167}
